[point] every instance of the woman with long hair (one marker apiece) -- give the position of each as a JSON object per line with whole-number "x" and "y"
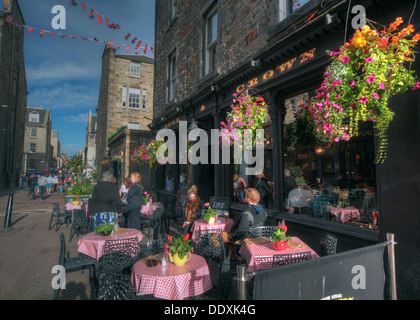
{"x": 134, "y": 202}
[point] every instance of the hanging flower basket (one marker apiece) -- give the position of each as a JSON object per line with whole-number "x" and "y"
{"x": 117, "y": 158}
{"x": 247, "y": 113}
{"x": 148, "y": 154}
{"x": 364, "y": 73}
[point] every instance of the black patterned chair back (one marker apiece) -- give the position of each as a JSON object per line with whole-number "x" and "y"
{"x": 79, "y": 218}
{"x": 261, "y": 231}
{"x": 120, "y": 254}
{"x": 328, "y": 244}
{"x": 114, "y": 286}
{"x": 209, "y": 243}
{"x": 283, "y": 259}
{"x": 56, "y": 209}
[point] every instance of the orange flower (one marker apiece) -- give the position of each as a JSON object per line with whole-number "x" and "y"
{"x": 395, "y": 39}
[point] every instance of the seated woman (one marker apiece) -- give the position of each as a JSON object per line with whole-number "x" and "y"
{"x": 105, "y": 203}
{"x": 192, "y": 209}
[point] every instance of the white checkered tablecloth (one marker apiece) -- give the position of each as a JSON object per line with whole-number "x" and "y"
{"x": 148, "y": 210}
{"x": 92, "y": 244}
{"x": 265, "y": 253}
{"x": 172, "y": 282}
{"x": 202, "y": 224}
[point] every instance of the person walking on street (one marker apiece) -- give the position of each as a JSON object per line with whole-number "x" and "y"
{"x": 42, "y": 182}
{"x": 23, "y": 181}
{"x": 50, "y": 181}
{"x": 37, "y": 185}
{"x": 32, "y": 182}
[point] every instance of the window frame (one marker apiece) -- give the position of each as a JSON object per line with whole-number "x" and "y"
{"x": 172, "y": 71}
{"x": 124, "y": 97}
{"x": 32, "y": 147}
{"x": 33, "y": 117}
{"x": 135, "y": 69}
{"x": 34, "y": 132}
{"x": 144, "y": 101}
{"x": 131, "y": 93}
{"x": 210, "y": 48}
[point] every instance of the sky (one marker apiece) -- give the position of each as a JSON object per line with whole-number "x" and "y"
{"x": 63, "y": 74}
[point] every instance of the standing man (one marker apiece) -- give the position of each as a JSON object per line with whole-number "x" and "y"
{"x": 23, "y": 181}
{"x": 42, "y": 182}
{"x": 32, "y": 182}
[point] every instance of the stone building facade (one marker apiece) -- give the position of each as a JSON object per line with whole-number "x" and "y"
{"x": 13, "y": 92}
{"x": 208, "y": 50}
{"x": 125, "y": 97}
{"x": 38, "y": 149}
{"x": 56, "y": 149}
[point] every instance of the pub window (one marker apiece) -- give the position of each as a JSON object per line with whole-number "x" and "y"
{"x": 134, "y": 70}
{"x": 32, "y": 148}
{"x": 133, "y": 98}
{"x": 263, "y": 182}
{"x": 289, "y": 7}
{"x": 31, "y": 164}
{"x": 334, "y": 183}
{"x": 211, "y": 41}
{"x": 171, "y": 76}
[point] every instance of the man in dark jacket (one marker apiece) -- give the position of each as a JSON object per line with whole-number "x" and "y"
{"x": 32, "y": 182}
{"x": 253, "y": 216}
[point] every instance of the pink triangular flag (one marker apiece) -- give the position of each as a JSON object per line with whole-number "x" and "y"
{"x": 84, "y": 6}
{"x": 127, "y": 36}
{"x": 99, "y": 18}
{"x": 51, "y": 33}
{"x": 128, "y": 48}
{"x": 30, "y": 29}
{"x": 42, "y": 33}
{"x": 145, "y": 49}
{"x": 138, "y": 44}
{"x": 91, "y": 15}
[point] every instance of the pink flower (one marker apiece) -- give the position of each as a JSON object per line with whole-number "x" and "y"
{"x": 363, "y": 99}
{"x": 371, "y": 79}
{"x": 345, "y": 59}
{"x": 327, "y": 115}
{"x": 417, "y": 86}
{"x": 336, "y": 139}
{"x": 346, "y": 136}
{"x": 353, "y": 83}
{"x": 352, "y": 105}
{"x": 376, "y": 96}
{"x": 370, "y": 59}
{"x": 381, "y": 85}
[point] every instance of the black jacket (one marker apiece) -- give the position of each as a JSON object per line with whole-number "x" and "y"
{"x": 135, "y": 196}
{"x": 252, "y": 216}
{"x": 105, "y": 198}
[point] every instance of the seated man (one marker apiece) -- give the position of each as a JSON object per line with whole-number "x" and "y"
{"x": 253, "y": 216}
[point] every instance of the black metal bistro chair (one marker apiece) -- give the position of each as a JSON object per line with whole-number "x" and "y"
{"x": 81, "y": 224}
{"x": 328, "y": 244}
{"x": 61, "y": 217}
{"x": 120, "y": 254}
{"x": 154, "y": 220}
{"x": 283, "y": 259}
{"x": 151, "y": 248}
{"x": 114, "y": 286}
{"x": 74, "y": 264}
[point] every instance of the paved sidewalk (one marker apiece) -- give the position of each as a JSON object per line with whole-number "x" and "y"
{"x": 28, "y": 251}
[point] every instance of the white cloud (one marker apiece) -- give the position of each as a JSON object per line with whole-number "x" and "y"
{"x": 49, "y": 71}
{"x": 80, "y": 118}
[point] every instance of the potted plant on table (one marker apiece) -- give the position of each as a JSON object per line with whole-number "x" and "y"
{"x": 280, "y": 240}
{"x": 104, "y": 229}
{"x": 209, "y": 214}
{"x": 179, "y": 248}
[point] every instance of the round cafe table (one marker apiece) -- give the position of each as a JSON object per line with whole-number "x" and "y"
{"x": 172, "y": 282}
{"x": 202, "y": 224}
{"x": 92, "y": 244}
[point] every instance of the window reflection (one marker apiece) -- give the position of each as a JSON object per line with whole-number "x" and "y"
{"x": 321, "y": 180}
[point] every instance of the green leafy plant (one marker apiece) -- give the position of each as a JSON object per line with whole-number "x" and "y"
{"x": 363, "y": 75}
{"x": 117, "y": 158}
{"x": 83, "y": 187}
{"x": 180, "y": 245}
{"x": 280, "y": 233}
{"x": 119, "y": 129}
{"x": 209, "y": 212}
{"x": 146, "y": 197}
{"x": 104, "y": 229}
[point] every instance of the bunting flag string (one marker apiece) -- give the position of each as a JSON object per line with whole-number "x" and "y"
{"x": 43, "y": 33}
{"x": 100, "y": 18}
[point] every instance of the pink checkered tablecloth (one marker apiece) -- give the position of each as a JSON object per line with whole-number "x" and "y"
{"x": 348, "y": 213}
{"x": 149, "y": 209}
{"x": 202, "y": 224}
{"x": 264, "y": 253}
{"x": 172, "y": 282}
{"x": 92, "y": 244}
{"x": 70, "y": 206}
